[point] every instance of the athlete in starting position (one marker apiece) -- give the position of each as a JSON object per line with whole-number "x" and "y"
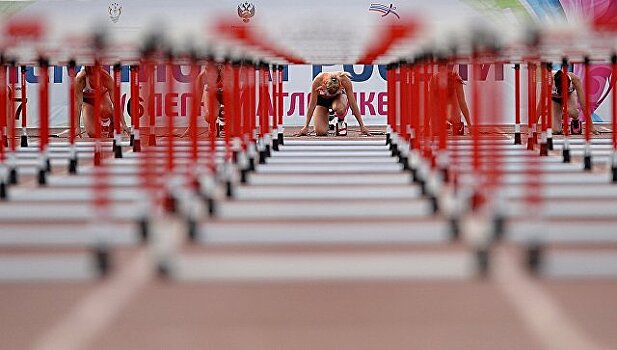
{"x": 331, "y": 90}
{"x": 575, "y": 98}
{"x": 85, "y": 88}
{"x": 455, "y": 103}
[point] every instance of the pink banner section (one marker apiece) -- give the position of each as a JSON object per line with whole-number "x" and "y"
{"x": 603, "y": 14}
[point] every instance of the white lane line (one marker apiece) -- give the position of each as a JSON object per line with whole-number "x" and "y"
{"x": 540, "y": 313}
{"x": 95, "y": 312}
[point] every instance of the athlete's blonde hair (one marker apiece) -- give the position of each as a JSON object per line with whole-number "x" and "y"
{"x": 333, "y": 84}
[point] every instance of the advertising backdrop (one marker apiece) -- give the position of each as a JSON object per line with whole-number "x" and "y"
{"x": 125, "y": 19}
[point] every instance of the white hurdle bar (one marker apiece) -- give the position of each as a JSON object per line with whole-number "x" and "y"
{"x": 420, "y": 231}
{"x": 573, "y": 263}
{"x": 324, "y": 267}
{"x": 48, "y": 267}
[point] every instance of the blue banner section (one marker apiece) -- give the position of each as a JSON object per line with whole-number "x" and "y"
{"x": 58, "y": 74}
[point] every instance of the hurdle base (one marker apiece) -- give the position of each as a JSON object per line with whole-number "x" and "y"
{"x": 434, "y": 205}
{"x": 191, "y": 229}
{"x": 395, "y": 150}
{"x": 499, "y": 227}
{"x": 549, "y": 143}
{"x": 455, "y": 229}
{"x": 195, "y": 185}
{"x": 404, "y": 161}
{"x": 587, "y": 162}
{"x": 543, "y": 149}
{"x": 73, "y": 166}
{"x": 144, "y": 229}
{"x": 483, "y": 261}
{"x": 517, "y": 138}
{"x": 163, "y": 270}
{"x": 281, "y": 138}
{"x": 566, "y": 156}
{"x": 534, "y": 257}
{"x": 3, "y": 191}
{"x": 13, "y": 176}
{"x": 275, "y": 145}
{"x": 137, "y": 145}
{"x": 170, "y": 203}
{"x": 387, "y": 139}
{"x": 268, "y": 151}
{"x": 42, "y": 177}
{"x": 244, "y": 176}
{"x": 23, "y": 141}
{"x": 262, "y": 157}
{"x": 229, "y": 189}
{"x": 211, "y": 204}
{"x": 251, "y": 164}
{"x": 614, "y": 172}
{"x": 414, "y": 174}
{"x": 445, "y": 173}
{"x": 102, "y": 259}
{"x": 117, "y": 150}
{"x": 476, "y": 201}
{"x": 97, "y": 158}
{"x": 535, "y": 137}
{"x": 152, "y": 140}
{"x": 422, "y": 184}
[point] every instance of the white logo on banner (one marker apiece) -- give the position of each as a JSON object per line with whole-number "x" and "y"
{"x": 246, "y": 10}
{"x": 115, "y": 10}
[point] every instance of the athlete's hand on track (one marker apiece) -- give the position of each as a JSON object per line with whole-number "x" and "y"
{"x": 303, "y": 132}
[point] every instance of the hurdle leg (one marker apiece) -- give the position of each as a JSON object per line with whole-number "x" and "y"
{"x": 544, "y": 109}
{"x": 151, "y": 104}
{"x": 44, "y": 164}
{"x": 587, "y": 111}
{"x": 268, "y": 98}
{"x": 3, "y": 129}
{"x": 24, "y": 99}
{"x": 549, "y": 106}
{"x": 614, "y": 166}
{"x": 73, "y": 160}
{"x": 170, "y": 203}
{"x": 13, "y": 174}
{"x": 117, "y": 147}
{"x": 12, "y": 128}
{"x": 147, "y": 164}
{"x": 23, "y": 139}
{"x": 275, "y": 117}
{"x": 136, "y": 109}
{"x": 403, "y": 99}
{"x": 281, "y": 110}
{"x": 245, "y": 130}
{"x": 531, "y": 103}
{"x": 517, "y": 104}
{"x": 614, "y": 117}
{"x": 235, "y": 112}
{"x": 4, "y": 184}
